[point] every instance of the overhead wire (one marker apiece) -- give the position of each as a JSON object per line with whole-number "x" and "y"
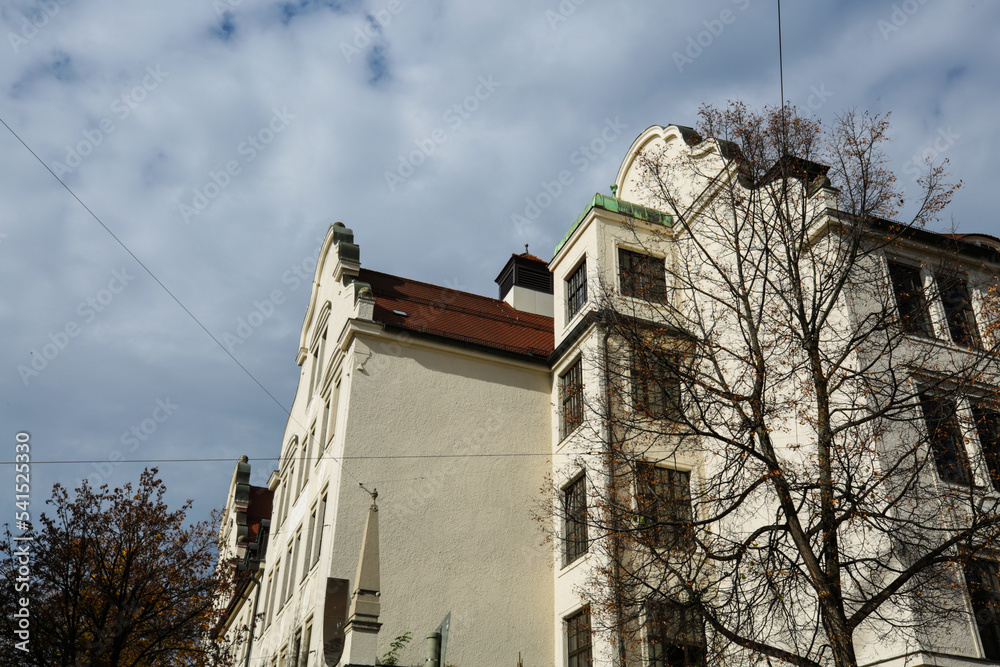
{"x": 152, "y": 275}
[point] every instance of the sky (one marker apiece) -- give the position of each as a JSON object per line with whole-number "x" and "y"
{"x": 151, "y": 308}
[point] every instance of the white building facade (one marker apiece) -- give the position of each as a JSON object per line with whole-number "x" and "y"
{"x": 465, "y": 411}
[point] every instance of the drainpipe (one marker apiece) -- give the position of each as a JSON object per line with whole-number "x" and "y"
{"x": 253, "y": 617}
{"x": 433, "y": 650}
{"x": 615, "y": 544}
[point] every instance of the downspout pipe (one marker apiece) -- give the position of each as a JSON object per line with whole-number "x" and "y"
{"x": 615, "y": 544}
{"x": 253, "y": 617}
{"x": 433, "y": 650}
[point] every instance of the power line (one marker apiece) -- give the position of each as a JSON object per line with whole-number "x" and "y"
{"x": 338, "y": 459}
{"x": 144, "y": 267}
{"x": 781, "y": 68}
{"x": 158, "y": 282}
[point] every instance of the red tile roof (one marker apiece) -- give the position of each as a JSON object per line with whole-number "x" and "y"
{"x": 525, "y": 255}
{"x": 470, "y": 318}
{"x": 259, "y": 507}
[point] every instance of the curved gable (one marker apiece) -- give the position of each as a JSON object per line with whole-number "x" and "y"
{"x": 676, "y": 146}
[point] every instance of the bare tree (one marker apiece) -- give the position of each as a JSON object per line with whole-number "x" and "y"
{"x": 116, "y": 579}
{"x": 794, "y": 449}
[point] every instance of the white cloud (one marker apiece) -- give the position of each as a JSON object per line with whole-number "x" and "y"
{"x": 353, "y": 118}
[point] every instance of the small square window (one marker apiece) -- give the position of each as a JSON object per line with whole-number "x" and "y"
{"x": 656, "y": 385}
{"x": 641, "y": 275}
{"x": 676, "y": 635}
{"x": 663, "y": 499}
{"x": 576, "y": 290}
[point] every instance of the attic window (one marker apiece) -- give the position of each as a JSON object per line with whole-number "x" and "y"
{"x": 400, "y": 313}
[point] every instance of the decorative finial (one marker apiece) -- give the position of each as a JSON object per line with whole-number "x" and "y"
{"x": 614, "y": 190}
{"x": 525, "y": 248}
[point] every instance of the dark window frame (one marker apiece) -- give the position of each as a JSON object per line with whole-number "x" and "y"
{"x": 576, "y": 290}
{"x": 656, "y": 388}
{"x": 911, "y": 299}
{"x": 675, "y": 635}
{"x": 982, "y": 578}
{"x": 579, "y": 642}
{"x": 641, "y": 275}
{"x": 956, "y": 300}
{"x": 664, "y": 507}
{"x": 987, "y": 418}
{"x": 571, "y": 399}
{"x": 944, "y": 435}
{"x": 575, "y": 541}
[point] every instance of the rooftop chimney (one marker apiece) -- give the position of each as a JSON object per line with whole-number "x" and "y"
{"x": 526, "y": 284}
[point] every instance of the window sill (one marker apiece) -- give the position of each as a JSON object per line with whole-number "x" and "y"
{"x": 569, "y": 567}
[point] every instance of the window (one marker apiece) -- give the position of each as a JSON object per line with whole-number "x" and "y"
{"x": 314, "y": 368}
{"x": 293, "y": 563}
{"x": 957, "y": 304}
{"x": 578, "y": 639}
{"x": 269, "y": 600}
{"x": 306, "y": 451}
{"x": 988, "y": 430}
{"x": 274, "y": 590}
{"x": 571, "y": 399}
{"x": 296, "y": 649}
{"x": 656, "y": 387}
{"x": 983, "y": 580}
{"x": 664, "y": 506}
{"x": 945, "y": 436}
{"x": 333, "y": 414}
{"x": 575, "y": 525}
{"x": 309, "y": 543}
{"x": 908, "y": 287}
{"x": 304, "y": 662}
{"x": 320, "y": 514}
{"x": 289, "y": 565}
{"x": 284, "y": 497}
{"x": 676, "y": 635}
{"x": 641, "y": 275}
{"x": 576, "y": 290}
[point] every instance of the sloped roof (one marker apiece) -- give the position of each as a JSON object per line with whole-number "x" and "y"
{"x": 259, "y": 507}
{"x": 442, "y": 312}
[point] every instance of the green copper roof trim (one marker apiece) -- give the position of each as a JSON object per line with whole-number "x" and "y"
{"x": 621, "y": 206}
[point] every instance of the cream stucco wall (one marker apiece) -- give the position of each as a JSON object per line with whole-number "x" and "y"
{"x": 457, "y": 443}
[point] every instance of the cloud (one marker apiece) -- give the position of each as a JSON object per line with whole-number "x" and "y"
{"x": 80, "y": 81}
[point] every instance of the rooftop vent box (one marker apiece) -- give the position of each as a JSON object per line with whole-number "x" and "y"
{"x": 526, "y": 284}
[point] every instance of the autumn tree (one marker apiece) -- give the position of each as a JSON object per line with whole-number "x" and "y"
{"x": 119, "y": 579}
{"x": 793, "y": 450}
